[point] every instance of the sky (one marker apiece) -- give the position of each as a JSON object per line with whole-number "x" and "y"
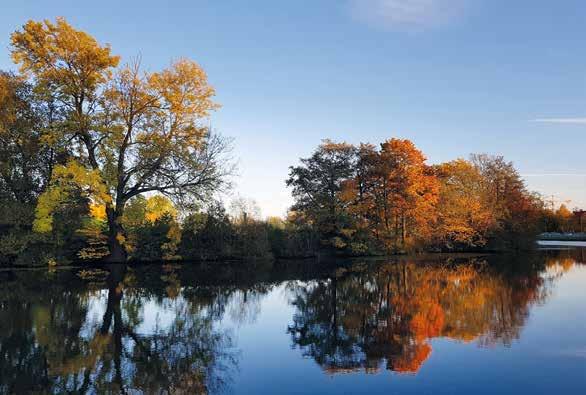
{"x": 454, "y": 76}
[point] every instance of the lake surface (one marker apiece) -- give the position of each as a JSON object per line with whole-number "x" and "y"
{"x": 430, "y": 325}
{"x": 554, "y": 243}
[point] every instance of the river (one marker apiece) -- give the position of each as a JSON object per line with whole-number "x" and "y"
{"x": 428, "y": 325}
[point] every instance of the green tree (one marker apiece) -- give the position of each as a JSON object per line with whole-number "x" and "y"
{"x": 317, "y": 185}
{"x": 207, "y": 235}
{"x": 27, "y": 159}
{"x": 152, "y": 228}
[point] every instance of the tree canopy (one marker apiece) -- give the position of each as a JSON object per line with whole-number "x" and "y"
{"x": 127, "y": 131}
{"x": 364, "y": 200}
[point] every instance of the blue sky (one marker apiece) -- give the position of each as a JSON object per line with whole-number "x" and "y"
{"x": 454, "y": 76}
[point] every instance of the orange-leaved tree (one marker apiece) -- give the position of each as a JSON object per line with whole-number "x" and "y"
{"x": 397, "y": 192}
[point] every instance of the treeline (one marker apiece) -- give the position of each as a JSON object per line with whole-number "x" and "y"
{"x": 374, "y": 200}
{"x": 155, "y": 231}
{"x": 102, "y": 160}
{"x": 106, "y": 161}
{"x": 563, "y": 220}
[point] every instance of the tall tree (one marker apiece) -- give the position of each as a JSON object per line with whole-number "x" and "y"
{"x": 26, "y": 157}
{"x": 396, "y": 191}
{"x": 517, "y": 210}
{"x": 130, "y": 132}
{"x": 465, "y": 218}
{"x": 318, "y": 182}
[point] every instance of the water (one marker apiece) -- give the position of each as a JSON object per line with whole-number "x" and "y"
{"x": 449, "y": 325}
{"x": 554, "y": 243}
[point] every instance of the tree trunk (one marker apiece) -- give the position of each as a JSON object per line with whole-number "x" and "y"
{"x": 403, "y": 230}
{"x": 118, "y": 253}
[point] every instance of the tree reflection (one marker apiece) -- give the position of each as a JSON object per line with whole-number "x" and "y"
{"x": 375, "y": 316}
{"x": 97, "y": 339}
{"x": 159, "y": 329}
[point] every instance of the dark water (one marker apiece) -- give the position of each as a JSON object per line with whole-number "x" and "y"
{"x": 483, "y": 325}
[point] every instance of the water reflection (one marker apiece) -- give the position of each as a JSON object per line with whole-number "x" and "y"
{"x": 75, "y": 336}
{"x": 383, "y": 316}
{"x": 160, "y": 329}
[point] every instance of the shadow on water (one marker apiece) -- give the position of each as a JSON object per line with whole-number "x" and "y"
{"x": 157, "y": 329}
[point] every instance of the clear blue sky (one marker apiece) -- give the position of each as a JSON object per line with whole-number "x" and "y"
{"x": 455, "y": 76}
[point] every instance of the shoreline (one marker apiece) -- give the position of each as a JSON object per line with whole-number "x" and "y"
{"x": 541, "y": 245}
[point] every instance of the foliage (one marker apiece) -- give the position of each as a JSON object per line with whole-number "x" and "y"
{"x": 367, "y": 201}
{"x": 127, "y": 131}
{"x": 317, "y": 184}
{"x": 395, "y": 194}
{"x": 517, "y": 211}
{"x": 153, "y": 231}
{"x": 207, "y": 235}
{"x": 101, "y": 160}
{"x": 156, "y": 240}
{"x": 464, "y": 217}
{"x": 213, "y": 235}
{"x": 292, "y": 238}
{"x": 372, "y": 316}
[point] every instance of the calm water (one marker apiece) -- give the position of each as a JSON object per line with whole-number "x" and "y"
{"x": 462, "y": 325}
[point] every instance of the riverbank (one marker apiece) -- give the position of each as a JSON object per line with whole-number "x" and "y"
{"x": 319, "y": 259}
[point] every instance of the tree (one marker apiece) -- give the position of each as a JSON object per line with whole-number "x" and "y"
{"x": 207, "y": 235}
{"x": 152, "y": 228}
{"x": 130, "y": 132}
{"x": 243, "y": 210}
{"x": 565, "y": 218}
{"x": 465, "y": 219}
{"x": 396, "y": 192}
{"x": 517, "y": 211}
{"x": 317, "y": 184}
{"x": 292, "y": 237}
{"x": 25, "y": 160}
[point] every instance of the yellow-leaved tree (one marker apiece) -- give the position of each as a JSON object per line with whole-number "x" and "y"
{"x": 131, "y": 132}
{"x": 465, "y": 218}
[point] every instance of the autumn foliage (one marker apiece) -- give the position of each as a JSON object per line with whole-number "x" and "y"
{"x": 113, "y": 131}
{"x": 363, "y": 200}
{"x": 372, "y": 317}
{"x": 91, "y": 148}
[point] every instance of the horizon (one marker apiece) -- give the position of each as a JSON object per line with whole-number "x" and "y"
{"x": 439, "y": 75}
